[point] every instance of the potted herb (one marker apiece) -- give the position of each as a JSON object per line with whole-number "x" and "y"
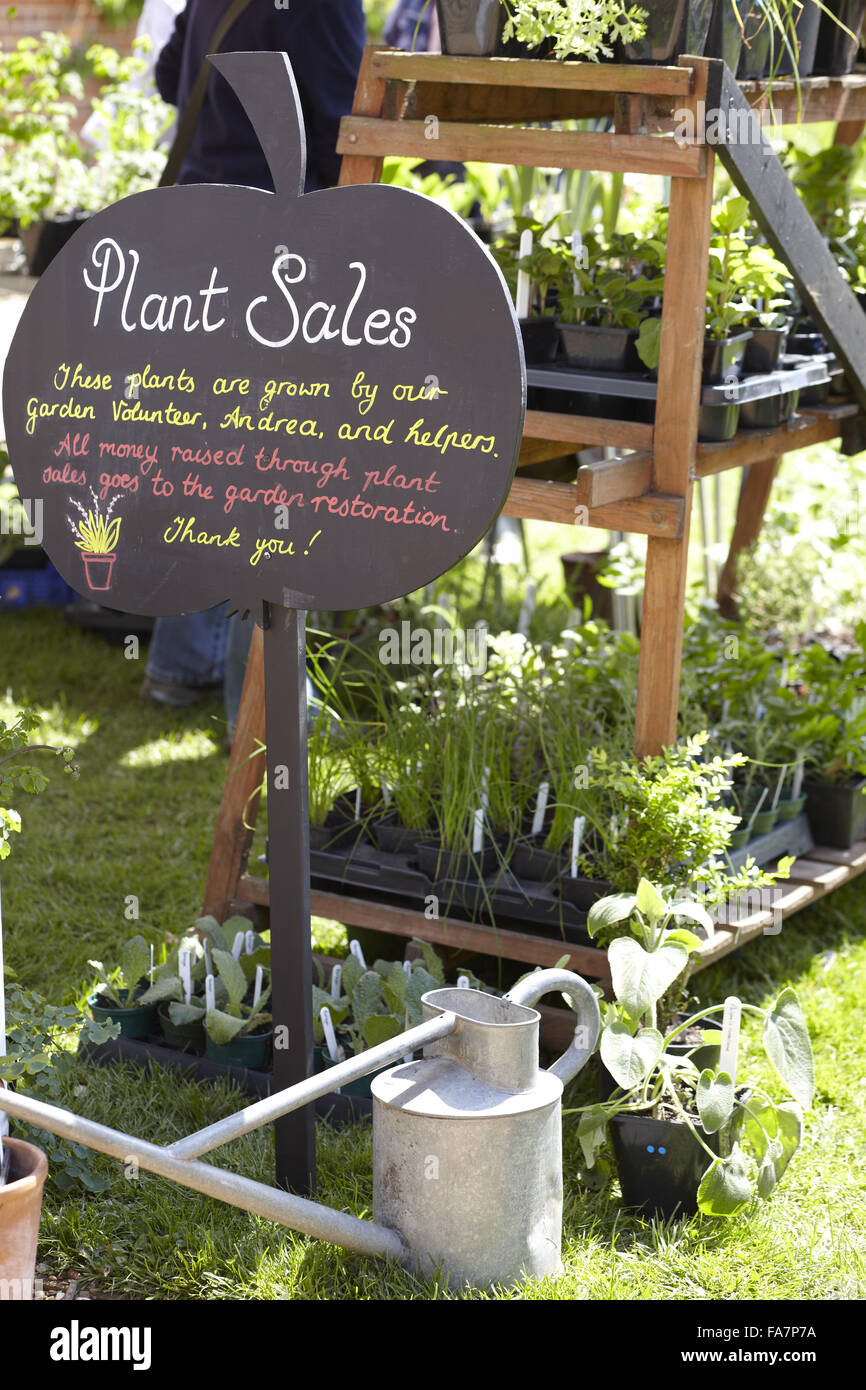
{"x": 238, "y": 1034}
{"x": 575, "y": 30}
{"x": 598, "y": 320}
{"x": 728, "y": 283}
{"x": 531, "y": 268}
{"x": 120, "y": 997}
{"x": 834, "y": 729}
{"x": 686, "y": 1139}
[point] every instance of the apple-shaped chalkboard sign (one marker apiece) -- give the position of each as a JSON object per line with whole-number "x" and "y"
{"x": 217, "y": 391}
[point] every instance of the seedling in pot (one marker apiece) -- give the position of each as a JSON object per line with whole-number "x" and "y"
{"x": 117, "y": 990}
{"x": 223, "y": 1025}
{"x": 756, "y": 1135}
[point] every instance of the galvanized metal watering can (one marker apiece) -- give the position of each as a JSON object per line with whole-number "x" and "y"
{"x": 467, "y": 1148}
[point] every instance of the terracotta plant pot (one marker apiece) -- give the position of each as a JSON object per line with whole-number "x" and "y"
{"x": 20, "y": 1209}
{"x": 98, "y": 569}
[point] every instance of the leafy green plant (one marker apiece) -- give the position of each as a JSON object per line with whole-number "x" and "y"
{"x": 117, "y": 988}
{"x": 744, "y": 276}
{"x": 376, "y": 1004}
{"x": 236, "y": 1018}
{"x": 756, "y": 1135}
{"x": 39, "y": 1064}
{"x": 575, "y": 28}
{"x": 833, "y": 714}
{"x": 18, "y": 775}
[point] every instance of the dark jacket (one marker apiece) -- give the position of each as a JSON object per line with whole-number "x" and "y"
{"x": 324, "y": 40}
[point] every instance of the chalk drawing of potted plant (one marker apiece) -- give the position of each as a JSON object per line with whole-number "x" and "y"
{"x": 96, "y": 537}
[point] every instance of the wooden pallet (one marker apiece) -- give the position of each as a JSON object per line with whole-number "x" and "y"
{"x": 810, "y": 879}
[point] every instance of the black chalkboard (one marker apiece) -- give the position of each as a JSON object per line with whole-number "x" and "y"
{"x": 316, "y": 401}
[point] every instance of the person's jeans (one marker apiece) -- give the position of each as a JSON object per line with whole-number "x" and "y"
{"x": 189, "y": 650}
{"x": 202, "y": 649}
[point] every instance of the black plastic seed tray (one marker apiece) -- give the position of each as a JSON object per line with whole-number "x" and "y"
{"x": 795, "y": 374}
{"x": 500, "y": 896}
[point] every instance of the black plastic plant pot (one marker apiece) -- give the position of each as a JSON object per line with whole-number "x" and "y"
{"x": 393, "y": 838}
{"x": 185, "y": 1037}
{"x": 769, "y": 411}
{"x": 43, "y": 240}
{"x": 837, "y": 53}
{"x": 540, "y": 338}
{"x": 470, "y": 28}
{"x": 473, "y": 29}
{"x": 660, "y": 1165}
{"x": 816, "y": 395}
{"x": 338, "y": 839}
{"x": 594, "y": 349}
{"x": 764, "y": 349}
{"x": 806, "y": 342}
{"x": 583, "y": 892}
{"x": 755, "y": 49}
{"x": 723, "y": 358}
{"x": 725, "y": 37}
{"x": 323, "y": 1062}
{"x": 439, "y": 863}
{"x": 836, "y": 812}
{"x": 716, "y": 423}
{"x": 672, "y": 27}
{"x": 249, "y": 1050}
{"x": 530, "y": 860}
{"x": 138, "y": 1022}
{"x": 779, "y": 62}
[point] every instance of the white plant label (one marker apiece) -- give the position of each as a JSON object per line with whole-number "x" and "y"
{"x": 730, "y": 1037}
{"x": 355, "y": 948}
{"x": 540, "y": 808}
{"x": 576, "y": 839}
{"x": 328, "y": 1030}
{"x": 184, "y": 965}
{"x": 478, "y": 830}
{"x": 210, "y": 991}
{"x": 336, "y": 980}
{"x": 523, "y": 284}
{"x": 238, "y": 945}
{"x": 257, "y": 988}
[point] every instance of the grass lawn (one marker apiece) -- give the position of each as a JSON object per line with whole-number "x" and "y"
{"x": 138, "y": 824}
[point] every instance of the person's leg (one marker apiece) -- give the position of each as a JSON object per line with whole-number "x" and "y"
{"x": 237, "y": 654}
{"x": 238, "y": 649}
{"x": 187, "y": 656}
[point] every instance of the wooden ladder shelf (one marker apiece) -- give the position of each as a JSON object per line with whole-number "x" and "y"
{"x": 490, "y": 109}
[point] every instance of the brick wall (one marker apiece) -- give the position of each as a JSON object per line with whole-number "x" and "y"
{"x": 80, "y": 19}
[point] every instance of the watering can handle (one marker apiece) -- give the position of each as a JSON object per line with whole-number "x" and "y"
{"x": 588, "y": 1026}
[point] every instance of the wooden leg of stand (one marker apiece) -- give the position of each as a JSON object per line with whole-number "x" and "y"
{"x": 674, "y": 451}
{"x": 240, "y": 799}
{"x": 754, "y": 496}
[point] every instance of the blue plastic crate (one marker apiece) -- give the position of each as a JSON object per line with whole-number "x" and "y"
{"x": 29, "y": 588}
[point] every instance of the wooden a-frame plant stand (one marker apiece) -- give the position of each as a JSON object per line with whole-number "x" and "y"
{"x": 484, "y": 109}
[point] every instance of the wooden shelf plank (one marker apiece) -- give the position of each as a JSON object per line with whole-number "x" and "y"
{"x": 540, "y": 500}
{"x": 583, "y": 430}
{"x": 614, "y": 480}
{"x": 824, "y": 876}
{"x": 533, "y": 73}
{"x": 562, "y": 149}
{"x": 855, "y": 857}
{"x": 814, "y": 426}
